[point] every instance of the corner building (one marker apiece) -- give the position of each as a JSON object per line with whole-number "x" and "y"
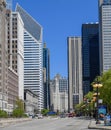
{"x": 33, "y": 79}
{"x": 15, "y": 39}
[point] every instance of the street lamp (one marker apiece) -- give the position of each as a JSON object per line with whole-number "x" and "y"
{"x": 97, "y": 85}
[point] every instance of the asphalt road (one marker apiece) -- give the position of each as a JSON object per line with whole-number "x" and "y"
{"x": 51, "y": 124}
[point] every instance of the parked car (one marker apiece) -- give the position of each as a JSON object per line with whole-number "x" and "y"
{"x": 71, "y": 115}
{"x": 40, "y": 116}
{"x": 62, "y": 115}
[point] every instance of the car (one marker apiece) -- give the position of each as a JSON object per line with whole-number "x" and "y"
{"x": 40, "y": 116}
{"x": 71, "y": 115}
{"x": 62, "y": 116}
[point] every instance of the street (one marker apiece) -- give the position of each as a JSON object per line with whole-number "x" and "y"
{"x": 51, "y": 124}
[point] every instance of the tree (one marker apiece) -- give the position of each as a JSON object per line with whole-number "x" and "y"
{"x": 19, "y": 110}
{"x": 89, "y": 104}
{"x": 20, "y": 104}
{"x": 86, "y": 106}
{"x": 89, "y": 96}
{"x": 44, "y": 111}
{"x": 3, "y": 114}
{"x": 105, "y": 91}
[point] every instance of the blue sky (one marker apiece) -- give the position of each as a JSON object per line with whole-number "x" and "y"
{"x": 60, "y": 19}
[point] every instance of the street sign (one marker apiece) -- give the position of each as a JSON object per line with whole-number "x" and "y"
{"x": 102, "y": 109}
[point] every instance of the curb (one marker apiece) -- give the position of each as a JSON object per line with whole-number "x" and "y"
{"x": 90, "y": 126}
{"x": 5, "y": 123}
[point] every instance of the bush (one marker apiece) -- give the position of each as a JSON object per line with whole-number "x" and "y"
{"x": 44, "y": 112}
{"x": 25, "y": 115}
{"x": 18, "y": 113}
{"x": 3, "y": 114}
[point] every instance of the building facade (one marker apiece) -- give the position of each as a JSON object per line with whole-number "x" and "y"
{"x": 59, "y": 100}
{"x": 46, "y": 76}
{"x": 90, "y": 54}
{"x": 33, "y": 72}
{"x": 3, "y": 57}
{"x": 75, "y": 91}
{"x": 9, "y": 4}
{"x": 105, "y": 34}
{"x": 12, "y": 89}
{"x": 15, "y": 35}
{"x": 30, "y": 100}
{"x": 63, "y": 84}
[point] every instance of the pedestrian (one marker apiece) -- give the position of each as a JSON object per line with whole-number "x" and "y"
{"x": 107, "y": 119}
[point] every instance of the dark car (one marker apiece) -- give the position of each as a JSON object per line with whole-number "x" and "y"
{"x": 71, "y": 115}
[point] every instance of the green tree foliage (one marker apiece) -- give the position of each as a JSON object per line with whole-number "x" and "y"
{"x": 19, "y": 110}
{"x": 44, "y": 112}
{"x": 18, "y": 113}
{"x": 3, "y": 114}
{"x": 89, "y": 96}
{"x": 105, "y": 91}
{"x": 89, "y": 103}
{"x": 78, "y": 106}
{"x": 86, "y": 106}
{"x": 19, "y": 104}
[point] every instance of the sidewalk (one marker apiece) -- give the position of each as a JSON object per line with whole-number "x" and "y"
{"x": 93, "y": 125}
{"x": 8, "y": 121}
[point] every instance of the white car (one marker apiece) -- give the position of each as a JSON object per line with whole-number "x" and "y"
{"x": 40, "y": 116}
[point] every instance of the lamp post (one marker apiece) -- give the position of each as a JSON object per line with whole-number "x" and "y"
{"x": 97, "y": 85}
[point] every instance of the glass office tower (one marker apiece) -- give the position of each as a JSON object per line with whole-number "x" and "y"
{"x": 46, "y": 76}
{"x": 33, "y": 74}
{"x": 90, "y": 54}
{"x": 105, "y": 34}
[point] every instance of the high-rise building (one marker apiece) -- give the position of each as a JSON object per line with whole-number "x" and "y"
{"x": 105, "y": 34}
{"x": 74, "y": 71}
{"x": 90, "y": 54}
{"x": 15, "y": 39}
{"x": 33, "y": 68}
{"x": 3, "y": 57}
{"x": 46, "y": 76}
{"x": 59, "y": 99}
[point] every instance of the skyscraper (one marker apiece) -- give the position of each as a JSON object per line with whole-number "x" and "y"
{"x": 15, "y": 38}
{"x": 46, "y": 76}
{"x": 33, "y": 72}
{"x": 90, "y": 54}
{"x": 3, "y": 57}
{"x": 105, "y": 34}
{"x": 74, "y": 71}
